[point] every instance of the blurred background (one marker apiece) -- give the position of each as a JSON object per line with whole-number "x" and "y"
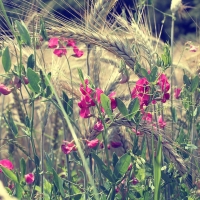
{"x": 186, "y": 26}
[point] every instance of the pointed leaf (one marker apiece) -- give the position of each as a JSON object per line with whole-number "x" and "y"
{"x": 9, "y": 174}
{"x": 153, "y": 74}
{"x": 121, "y": 106}
{"x": 103, "y": 168}
{"x": 19, "y": 191}
{"x": 144, "y": 73}
{"x": 115, "y": 159}
{"x": 31, "y": 61}
{"x": 22, "y": 167}
{"x": 174, "y": 115}
{"x": 105, "y": 102}
{"x": 6, "y": 60}
{"x": 122, "y": 166}
{"x": 24, "y": 34}
{"x": 195, "y": 83}
{"x": 133, "y": 107}
{"x": 34, "y": 79}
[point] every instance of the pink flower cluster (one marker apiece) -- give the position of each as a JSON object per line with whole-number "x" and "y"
{"x": 142, "y": 90}
{"x": 59, "y": 45}
{"x": 89, "y": 99}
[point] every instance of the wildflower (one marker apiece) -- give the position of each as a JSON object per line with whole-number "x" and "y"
{"x": 112, "y": 100}
{"x": 53, "y": 43}
{"x": 85, "y": 113}
{"x": 4, "y": 90}
{"x": 135, "y": 181}
{"x": 177, "y": 92}
{"x": 163, "y": 83}
{"x": 193, "y": 48}
{"x": 147, "y": 117}
{"x": 93, "y": 143}
{"x": 138, "y": 133}
{"x": 71, "y": 42}
{"x": 124, "y": 78}
{"x": 161, "y": 122}
{"x": 165, "y": 97}
{"x": 60, "y": 51}
{"x": 142, "y": 85}
{"x": 115, "y": 144}
{"x": 84, "y": 89}
{"x": 98, "y": 94}
{"x": 68, "y": 147}
{"x": 99, "y": 126}
{"x": 17, "y": 81}
{"x": 29, "y": 178}
{"x": 78, "y": 53}
{"x": 7, "y": 164}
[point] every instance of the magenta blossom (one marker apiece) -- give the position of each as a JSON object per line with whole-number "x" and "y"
{"x": 161, "y": 122}
{"x": 98, "y": 94}
{"x": 163, "y": 83}
{"x": 135, "y": 181}
{"x": 7, "y": 164}
{"x": 147, "y": 117}
{"x": 124, "y": 78}
{"x": 60, "y": 52}
{"x": 93, "y": 143}
{"x": 78, "y": 53}
{"x": 53, "y": 42}
{"x": 142, "y": 85}
{"x": 29, "y": 178}
{"x": 177, "y": 93}
{"x": 68, "y": 147}
{"x": 99, "y": 126}
{"x": 71, "y": 43}
{"x": 193, "y": 48}
{"x": 112, "y": 100}
{"x": 165, "y": 97}
{"x": 115, "y": 144}
{"x": 85, "y": 89}
{"x": 4, "y": 90}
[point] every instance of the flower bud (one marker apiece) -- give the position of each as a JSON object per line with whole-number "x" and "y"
{"x": 29, "y": 178}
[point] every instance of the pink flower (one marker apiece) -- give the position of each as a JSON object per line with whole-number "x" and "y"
{"x": 53, "y": 43}
{"x": 112, "y": 100}
{"x": 26, "y": 81}
{"x": 193, "y": 48}
{"x": 86, "y": 102}
{"x": 78, "y": 53}
{"x": 154, "y": 101}
{"x": 99, "y": 126}
{"x": 85, "y": 90}
{"x": 115, "y": 144}
{"x": 7, "y": 164}
{"x": 93, "y": 143}
{"x": 161, "y": 122}
{"x": 85, "y": 113}
{"x": 147, "y": 117}
{"x": 29, "y": 178}
{"x": 17, "y": 81}
{"x": 165, "y": 97}
{"x": 138, "y": 133}
{"x": 124, "y": 78}
{"x": 71, "y": 42}
{"x": 135, "y": 181}
{"x": 177, "y": 92}
{"x": 98, "y": 94}
{"x": 60, "y": 52}
{"x": 163, "y": 83}
{"x": 68, "y": 147}
{"x": 4, "y": 90}
{"x": 142, "y": 85}
{"x": 130, "y": 166}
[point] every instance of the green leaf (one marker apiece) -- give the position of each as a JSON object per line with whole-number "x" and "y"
{"x": 122, "y": 166}
{"x": 19, "y": 191}
{"x": 59, "y": 183}
{"x": 174, "y": 115}
{"x": 80, "y": 73}
{"x": 144, "y": 73}
{"x": 9, "y": 174}
{"x": 103, "y": 168}
{"x": 186, "y": 80}
{"x": 24, "y": 34}
{"x": 6, "y": 60}
{"x": 31, "y": 61}
{"x": 115, "y": 159}
{"x": 105, "y": 102}
{"x": 195, "y": 83}
{"x": 43, "y": 32}
{"x": 121, "y": 106}
{"x": 157, "y": 165}
{"x": 22, "y": 167}
{"x": 34, "y": 80}
{"x": 133, "y": 108}
{"x": 49, "y": 163}
{"x": 153, "y": 74}
{"x": 144, "y": 148}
